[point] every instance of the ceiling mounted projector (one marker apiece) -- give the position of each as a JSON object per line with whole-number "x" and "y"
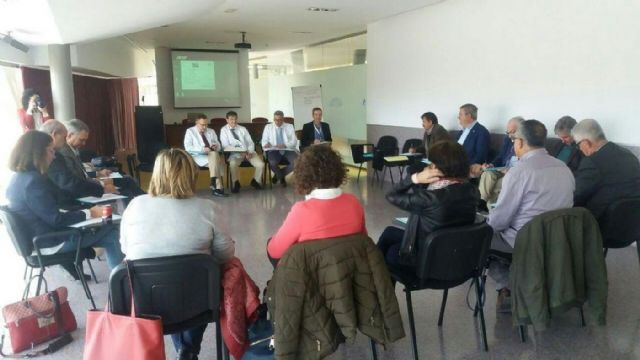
{"x": 243, "y": 44}
{"x": 17, "y": 44}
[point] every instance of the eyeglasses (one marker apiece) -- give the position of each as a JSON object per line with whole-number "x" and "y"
{"x": 513, "y": 139}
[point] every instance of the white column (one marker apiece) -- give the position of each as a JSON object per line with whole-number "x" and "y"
{"x": 62, "y": 82}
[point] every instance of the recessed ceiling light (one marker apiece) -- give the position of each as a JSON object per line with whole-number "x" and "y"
{"x": 319, "y": 9}
{"x": 229, "y": 11}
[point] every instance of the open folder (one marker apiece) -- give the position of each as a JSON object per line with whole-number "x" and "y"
{"x": 98, "y": 200}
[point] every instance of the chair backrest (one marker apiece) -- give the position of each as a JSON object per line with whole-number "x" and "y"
{"x": 289, "y": 120}
{"x": 260, "y": 120}
{"x": 358, "y": 151}
{"x": 218, "y": 121}
{"x": 455, "y": 254}
{"x": 17, "y": 231}
{"x": 184, "y": 290}
{"x": 620, "y": 225}
{"x": 388, "y": 144}
{"x": 411, "y": 143}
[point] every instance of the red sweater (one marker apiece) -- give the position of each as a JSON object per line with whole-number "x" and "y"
{"x": 316, "y": 219}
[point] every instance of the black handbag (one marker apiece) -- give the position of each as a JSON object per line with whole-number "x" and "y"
{"x": 260, "y": 337}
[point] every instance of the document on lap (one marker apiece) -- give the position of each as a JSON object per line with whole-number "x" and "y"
{"x": 113, "y": 175}
{"x": 495, "y": 168}
{"x": 104, "y": 198}
{"x": 396, "y": 158}
{"x": 95, "y": 221}
{"x": 234, "y": 149}
{"x": 411, "y": 154}
{"x": 197, "y": 153}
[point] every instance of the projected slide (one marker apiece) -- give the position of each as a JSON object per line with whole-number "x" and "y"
{"x": 205, "y": 78}
{"x": 198, "y": 75}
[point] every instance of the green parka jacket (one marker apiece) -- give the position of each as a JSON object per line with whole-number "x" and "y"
{"x": 323, "y": 291}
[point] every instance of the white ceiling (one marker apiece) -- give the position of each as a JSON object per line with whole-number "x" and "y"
{"x": 271, "y": 25}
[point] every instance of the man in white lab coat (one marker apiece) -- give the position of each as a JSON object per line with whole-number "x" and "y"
{"x": 236, "y": 140}
{"x": 202, "y": 143}
{"x": 279, "y": 142}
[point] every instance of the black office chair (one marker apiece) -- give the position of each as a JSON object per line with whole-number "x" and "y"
{"x": 25, "y": 247}
{"x": 387, "y": 146}
{"x": 620, "y": 225}
{"x": 183, "y": 290}
{"x": 401, "y": 164}
{"x": 361, "y": 154}
{"x": 452, "y": 256}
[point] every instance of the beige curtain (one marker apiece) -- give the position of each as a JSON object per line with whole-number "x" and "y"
{"x": 123, "y": 96}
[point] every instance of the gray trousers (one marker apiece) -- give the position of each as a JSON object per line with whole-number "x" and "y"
{"x": 498, "y": 270}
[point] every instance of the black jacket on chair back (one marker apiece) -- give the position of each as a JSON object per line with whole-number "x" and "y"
{"x": 454, "y": 205}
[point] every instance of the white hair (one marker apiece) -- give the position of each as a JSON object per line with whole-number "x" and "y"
{"x": 52, "y": 126}
{"x": 75, "y": 126}
{"x": 588, "y": 129}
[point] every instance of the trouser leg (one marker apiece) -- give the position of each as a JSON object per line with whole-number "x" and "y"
{"x": 189, "y": 340}
{"x": 258, "y": 164}
{"x": 291, "y": 158}
{"x": 234, "y": 163}
{"x": 499, "y": 271}
{"x": 274, "y": 158}
{"x": 488, "y": 187}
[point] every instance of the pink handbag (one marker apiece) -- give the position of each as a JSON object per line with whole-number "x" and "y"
{"x": 110, "y": 336}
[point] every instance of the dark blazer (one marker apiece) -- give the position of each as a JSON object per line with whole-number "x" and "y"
{"x": 72, "y": 184}
{"x": 612, "y": 173}
{"x": 32, "y": 196}
{"x": 454, "y": 205}
{"x": 438, "y": 133}
{"x": 308, "y": 134}
{"x": 477, "y": 144}
{"x": 506, "y": 152}
{"x": 574, "y": 158}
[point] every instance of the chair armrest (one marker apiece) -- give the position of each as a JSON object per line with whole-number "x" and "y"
{"x": 54, "y": 238}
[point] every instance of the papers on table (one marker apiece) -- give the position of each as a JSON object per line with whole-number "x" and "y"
{"x": 94, "y": 221}
{"x": 104, "y": 198}
{"x": 411, "y": 154}
{"x": 321, "y": 143}
{"x": 426, "y": 161}
{"x": 273, "y": 148}
{"x": 495, "y": 168}
{"x": 402, "y": 220}
{"x": 396, "y": 158}
{"x": 234, "y": 149}
{"x": 113, "y": 175}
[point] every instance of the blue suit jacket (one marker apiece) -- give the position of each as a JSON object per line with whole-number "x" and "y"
{"x": 476, "y": 145}
{"x": 506, "y": 152}
{"x": 32, "y": 197}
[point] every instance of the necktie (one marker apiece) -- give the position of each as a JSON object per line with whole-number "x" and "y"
{"x": 206, "y": 142}
{"x": 233, "y": 132}
{"x": 280, "y": 139}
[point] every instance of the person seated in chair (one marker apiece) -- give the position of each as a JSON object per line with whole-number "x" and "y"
{"x": 538, "y": 184}
{"x": 77, "y": 135}
{"x": 326, "y": 212}
{"x": 315, "y": 132}
{"x": 491, "y": 181}
{"x": 474, "y": 137}
{"x": 433, "y": 133}
{"x": 171, "y": 221}
{"x": 439, "y": 196}
{"x": 202, "y": 143}
{"x": 279, "y": 142}
{"x": 236, "y": 136}
{"x": 32, "y": 197}
{"x": 607, "y": 173}
{"x": 567, "y": 149}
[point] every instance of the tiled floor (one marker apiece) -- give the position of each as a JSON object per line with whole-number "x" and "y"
{"x": 251, "y": 217}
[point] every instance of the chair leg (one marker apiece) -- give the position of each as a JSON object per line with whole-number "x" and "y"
{"x": 582, "y": 316}
{"x": 442, "y": 306}
{"x": 391, "y": 176}
{"x": 522, "y": 329}
{"x": 218, "y": 341}
{"x": 374, "y": 352}
{"x": 359, "y": 170}
{"x": 24, "y": 276}
{"x": 40, "y": 281}
{"x": 412, "y": 324}
{"x": 483, "y": 281}
{"x": 95, "y": 279}
{"x": 480, "y": 308}
{"x": 30, "y": 272}
{"x": 87, "y": 291}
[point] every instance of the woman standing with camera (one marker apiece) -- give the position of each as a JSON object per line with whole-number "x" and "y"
{"x": 33, "y": 112}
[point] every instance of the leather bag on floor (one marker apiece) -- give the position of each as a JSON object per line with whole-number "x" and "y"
{"x": 34, "y": 320}
{"x": 110, "y": 336}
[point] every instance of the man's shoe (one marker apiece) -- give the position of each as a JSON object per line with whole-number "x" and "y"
{"x": 236, "y": 187}
{"x": 218, "y": 193}
{"x": 503, "y": 303}
{"x": 274, "y": 179}
{"x": 255, "y": 184}
{"x": 482, "y": 206}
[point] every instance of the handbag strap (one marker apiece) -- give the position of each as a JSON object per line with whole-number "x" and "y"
{"x": 130, "y": 277}
{"x": 27, "y": 288}
{"x": 63, "y": 338}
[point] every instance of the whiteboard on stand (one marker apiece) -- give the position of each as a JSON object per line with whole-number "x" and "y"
{"x": 305, "y": 98}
